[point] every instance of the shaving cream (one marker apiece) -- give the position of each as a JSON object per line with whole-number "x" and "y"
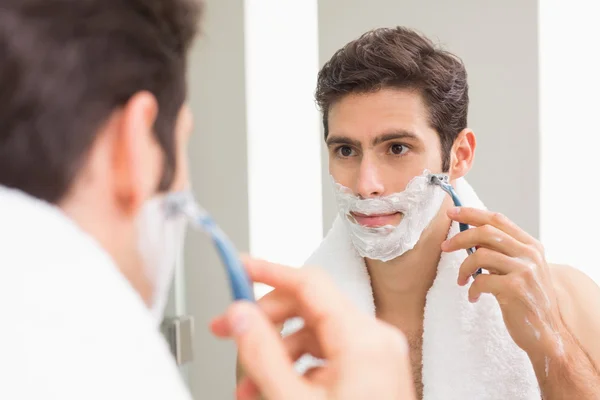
{"x": 419, "y": 203}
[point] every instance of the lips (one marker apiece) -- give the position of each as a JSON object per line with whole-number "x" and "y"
{"x": 377, "y": 220}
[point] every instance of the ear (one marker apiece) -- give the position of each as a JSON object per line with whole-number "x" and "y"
{"x": 137, "y": 157}
{"x": 462, "y": 154}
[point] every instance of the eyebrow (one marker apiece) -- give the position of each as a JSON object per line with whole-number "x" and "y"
{"x": 333, "y": 140}
{"x": 393, "y": 135}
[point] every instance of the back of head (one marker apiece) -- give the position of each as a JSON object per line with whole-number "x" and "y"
{"x": 66, "y": 65}
{"x": 400, "y": 58}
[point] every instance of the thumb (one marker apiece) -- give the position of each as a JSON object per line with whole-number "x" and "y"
{"x": 263, "y": 355}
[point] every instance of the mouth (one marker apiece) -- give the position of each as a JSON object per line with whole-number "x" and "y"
{"x": 377, "y": 220}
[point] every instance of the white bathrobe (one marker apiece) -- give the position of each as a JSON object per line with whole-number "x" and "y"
{"x": 72, "y": 327}
{"x": 467, "y": 352}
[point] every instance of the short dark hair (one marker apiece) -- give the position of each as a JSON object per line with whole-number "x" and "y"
{"x": 66, "y": 65}
{"x": 400, "y": 58}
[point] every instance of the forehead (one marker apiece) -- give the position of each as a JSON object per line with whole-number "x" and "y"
{"x": 365, "y": 115}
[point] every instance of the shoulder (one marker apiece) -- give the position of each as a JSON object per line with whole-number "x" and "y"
{"x": 576, "y": 292}
{"x": 573, "y": 285}
{"x": 578, "y": 299}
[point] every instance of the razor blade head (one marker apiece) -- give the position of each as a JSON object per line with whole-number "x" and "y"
{"x": 184, "y": 203}
{"x": 439, "y": 179}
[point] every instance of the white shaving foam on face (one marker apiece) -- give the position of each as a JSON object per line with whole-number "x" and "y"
{"x": 419, "y": 203}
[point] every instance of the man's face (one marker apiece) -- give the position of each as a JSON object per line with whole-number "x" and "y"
{"x": 378, "y": 142}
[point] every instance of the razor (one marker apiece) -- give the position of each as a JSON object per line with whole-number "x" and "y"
{"x": 443, "y": 181}
{"x": 239, "y": 282}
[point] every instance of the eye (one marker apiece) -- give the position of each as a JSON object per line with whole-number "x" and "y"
{"x": 344, "y": 151}
{"x": 398, "y": 149}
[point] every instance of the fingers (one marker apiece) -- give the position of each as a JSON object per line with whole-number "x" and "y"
{"x": 492, "y": 261}
{"x": 247, "y": 390}
{"x": 302, "y": 342}
{"x": 316, "y": 375}
{"x": 220, "y": 327}
{"x": 308, "y": 293}
{"x": 262, "y": 353}
{"x": 313, "y": 297}
{"x": 486, "y": 236}
{"x": 277, "y": 306}
{"x": 485, "y": 283}
{"x": 477, "y": 217}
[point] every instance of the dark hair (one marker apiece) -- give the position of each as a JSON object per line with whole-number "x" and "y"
{"x": 400, "y": 58}
{"x": 66, "y": 65}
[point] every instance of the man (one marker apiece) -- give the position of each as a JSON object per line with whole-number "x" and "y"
{"x": 395, "y": 108}
{"x": 93, "y": 136}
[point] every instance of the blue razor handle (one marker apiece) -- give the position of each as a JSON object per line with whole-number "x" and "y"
{"x": 442, "y": 181}
{"x": 239, "y": 282}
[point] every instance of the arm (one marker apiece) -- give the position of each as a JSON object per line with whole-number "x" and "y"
{"x": 570, "y": 367}
{"x": 550, "y": 312}
{"x": 579, "y": 303}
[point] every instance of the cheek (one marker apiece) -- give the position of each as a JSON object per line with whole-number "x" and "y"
{"x": 343, "y": 174}
{"x": 434, "y": 161}
{"x": 397, "y": 177}
{"x": 336, "y": 174}
{"x": 433, "y": 157}
{"x": 182, "y": 174}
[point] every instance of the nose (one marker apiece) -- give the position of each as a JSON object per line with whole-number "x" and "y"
{"x": 369, "y": 183}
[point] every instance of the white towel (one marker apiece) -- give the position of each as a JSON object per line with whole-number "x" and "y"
{"x": 73, "y": 327}
{"x": 467, "y": 352}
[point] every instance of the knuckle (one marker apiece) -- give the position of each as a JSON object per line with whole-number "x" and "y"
{"x": 498, "y": 218}
{"x": 482, "y": 254}
{"x": 540, "y": 248}
{"x": 528, "y": 274}
{"x": 468, "y": 268}
{"x": 515, "y": 283}
{"x": 488, "y": 229}
{"x": 534, "y": 254}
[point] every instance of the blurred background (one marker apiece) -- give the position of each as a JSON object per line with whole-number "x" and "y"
{"x": 257, "y": 156}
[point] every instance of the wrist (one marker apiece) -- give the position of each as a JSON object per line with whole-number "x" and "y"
{"x": 563, "y": 368}
{"x": 553, "y": 345}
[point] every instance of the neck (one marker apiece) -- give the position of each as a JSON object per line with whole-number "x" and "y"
{"x": 116, "y": 242}
{"x": 401, "y": 285}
